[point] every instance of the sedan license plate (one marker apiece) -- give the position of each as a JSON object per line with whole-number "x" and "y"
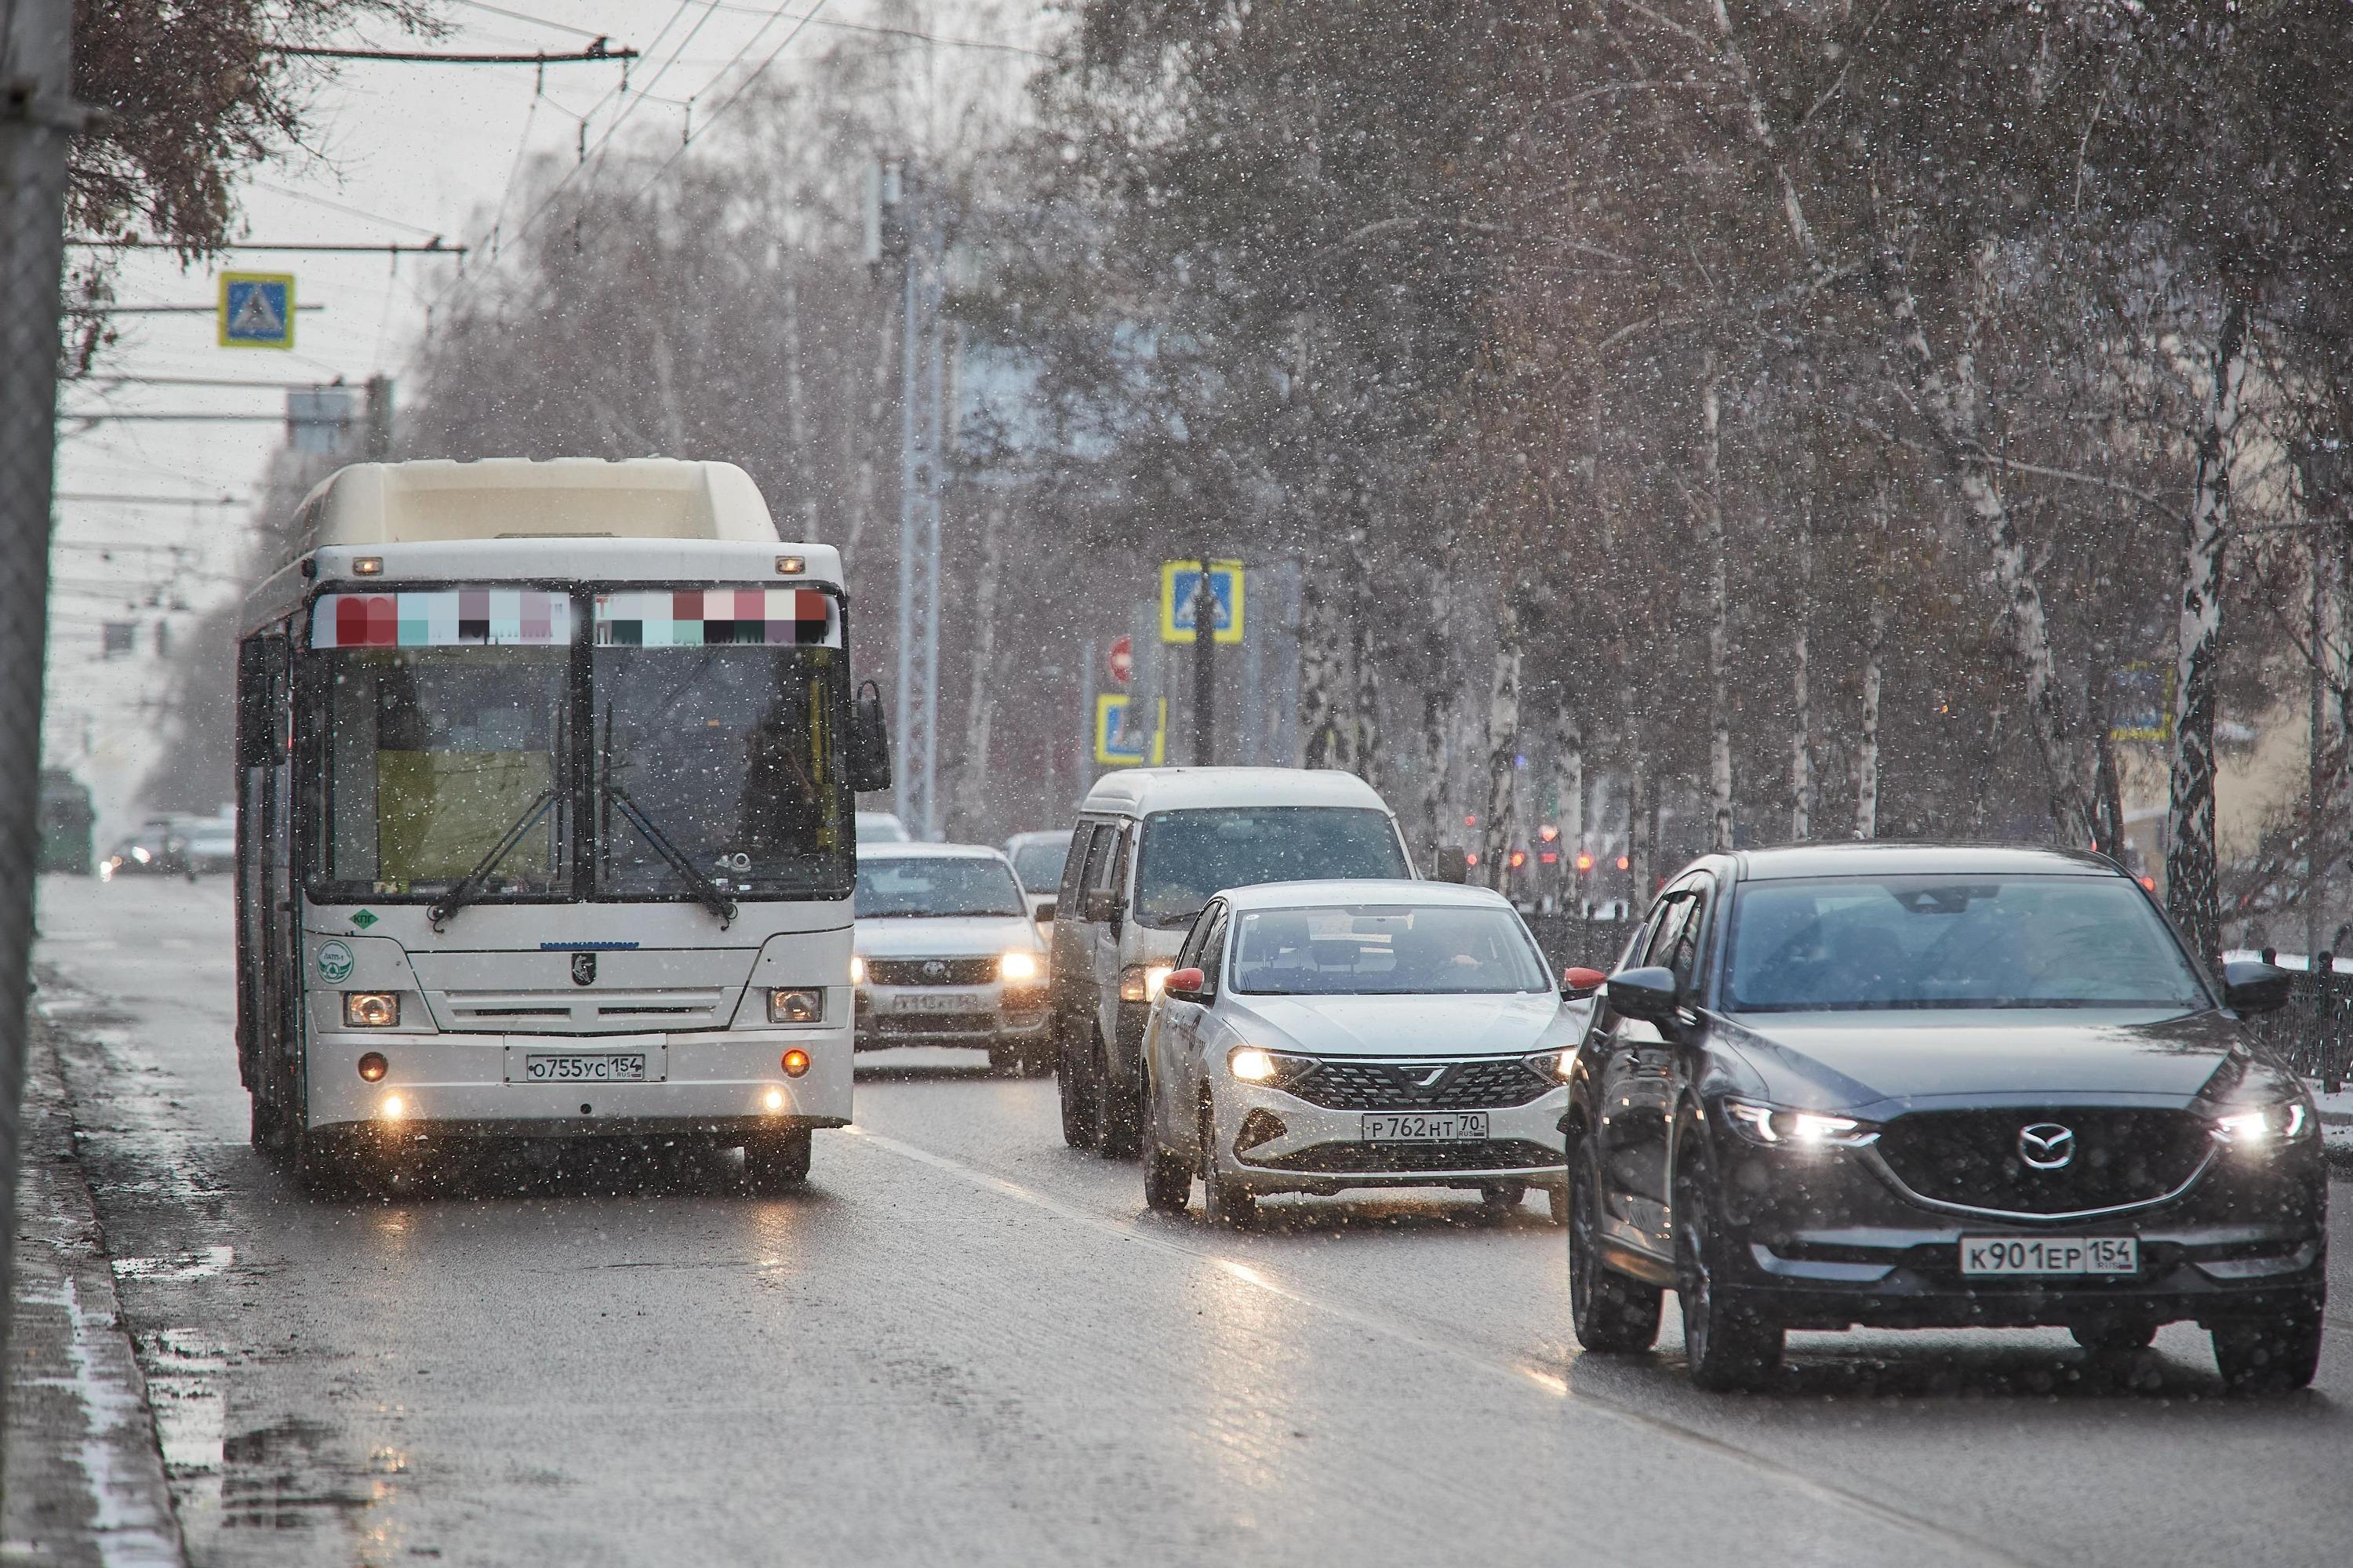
{"x": 1424, "y": 1127}
{"x": 585, "y": 1067}
{"x": 940, "y": 1001}
{"x": 2049, "y": 1255}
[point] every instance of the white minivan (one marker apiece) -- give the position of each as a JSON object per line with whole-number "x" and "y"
{"x": 1152, "y": 847}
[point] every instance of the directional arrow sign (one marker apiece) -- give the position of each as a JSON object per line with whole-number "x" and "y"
{"x": 257, "y": 310}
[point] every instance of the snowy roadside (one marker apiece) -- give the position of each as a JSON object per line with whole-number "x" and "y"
{"x": 84, "y": 1476}
{"x": 2335, "y": 1124}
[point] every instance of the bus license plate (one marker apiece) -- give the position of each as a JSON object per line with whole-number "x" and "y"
{"x": 585, "y": 1067}
{"x": 2049, "y": 1255}
{"x": 940, "y": 1001}
{"x": 1424, "y": 1127}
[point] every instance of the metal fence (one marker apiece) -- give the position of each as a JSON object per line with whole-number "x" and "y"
{"x": 2314, "y": 1030}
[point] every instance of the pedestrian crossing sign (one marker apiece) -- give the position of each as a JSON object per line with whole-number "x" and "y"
{"x": 257, "y": 310}
{"x": 1120, "y": 740}
{"x": 1180, "y": 590}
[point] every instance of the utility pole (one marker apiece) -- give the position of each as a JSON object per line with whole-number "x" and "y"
{"x": 1205, "y": 690}
{"x": 37, "y": 115}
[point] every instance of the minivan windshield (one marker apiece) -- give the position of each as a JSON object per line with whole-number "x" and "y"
{"x": 1852, "y": 943}
{"x": 941, "y": 884}
{"x": 1189, "y": 857}
{"x": 1385, "y": 950}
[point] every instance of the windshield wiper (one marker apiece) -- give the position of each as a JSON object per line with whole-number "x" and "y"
{"x": 707, "y": 893}
{"x": 475, "y": 881}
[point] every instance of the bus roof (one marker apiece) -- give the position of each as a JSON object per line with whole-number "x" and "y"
{"x": 517, "y": 498}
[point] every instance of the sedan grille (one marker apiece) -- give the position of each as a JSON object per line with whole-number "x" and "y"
{"x": 1972, "y": 1158}
{"x": 930, "y": 972}
{"x": 1421, "y": 1085}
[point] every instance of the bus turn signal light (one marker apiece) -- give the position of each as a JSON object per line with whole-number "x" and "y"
{"x": 796, "y": 1062}
{"x": 373, "y": 1066}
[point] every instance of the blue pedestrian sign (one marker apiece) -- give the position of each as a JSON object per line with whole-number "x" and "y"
{"x": 257, "y": 310}
{"x": 1180, "y": 588}
{"x": 1120, "y": 738}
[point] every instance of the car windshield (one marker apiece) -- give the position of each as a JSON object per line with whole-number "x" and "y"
{"x": 1385, "y": 950}
{"x": 1038, "y": 862}
{"x": 1923, "y": 942}
{"x": 936, "y": 884}
{"x": 1189, "y": 857}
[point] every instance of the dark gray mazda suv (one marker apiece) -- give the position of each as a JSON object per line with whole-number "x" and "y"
{"x": 1913, "y": 1087}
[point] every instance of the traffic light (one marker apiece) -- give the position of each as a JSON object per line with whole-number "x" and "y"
{"x": 1583, "y": 863}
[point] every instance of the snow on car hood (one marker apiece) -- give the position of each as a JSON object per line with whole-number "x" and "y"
{"x": 946, "y": 935}
{"x": 1396, "y": 1025}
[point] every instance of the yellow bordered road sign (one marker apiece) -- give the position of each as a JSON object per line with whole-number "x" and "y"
{"x": 1180, "y": 583}
{"x": 257, "y": 310}
{"x": 1119, "y": 745}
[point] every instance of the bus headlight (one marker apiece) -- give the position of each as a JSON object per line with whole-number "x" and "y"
{"x": 371, "y": 1010}
{"x": 1020, "y": 968}
{"x": 796, "y": 1004}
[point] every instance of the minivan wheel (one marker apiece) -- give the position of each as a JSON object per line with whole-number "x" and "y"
{"x": 1608, "y": 1311}
{"x": 1120, "y": 1112}
{"x": 2269, "y": 1355}
{"x": 1167, "y": 1181}
{"x": 1080, "y": 1097}
{"x": 1498, "y": 1200}
{"x": 1727, "y": 1344}
{"x": 2113, "y": 1335}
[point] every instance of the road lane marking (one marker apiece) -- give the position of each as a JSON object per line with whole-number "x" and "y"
{"x": 1522, "y": 1373}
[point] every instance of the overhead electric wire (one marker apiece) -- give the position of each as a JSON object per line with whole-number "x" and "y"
{"x": 133, "y": 499}
{"x": 537, "y": 21}
{"x": 595, "y": 54}
{"x": 431, "y": 248}
{"x": 347, "y": 209}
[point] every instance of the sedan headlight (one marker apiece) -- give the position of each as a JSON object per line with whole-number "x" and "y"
{"x": 1141, "y": 982}
{"x": 1776, "y": 1128}
{"x": 1552, "y": 1066}
{"x": 2262, "y": 1127}
{"x": 1020, "y": 967}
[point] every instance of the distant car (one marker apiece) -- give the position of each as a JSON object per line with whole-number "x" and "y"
{"x": 212, "y": 846}
{"x": 1922, "y": 1086}
{"x": 881, "y": 828}
{"x": 1317, "y": 1036}
{"x": 156, "y": 850}
{"x": 1037, "y": 860}
{"x": 946, "y": 954}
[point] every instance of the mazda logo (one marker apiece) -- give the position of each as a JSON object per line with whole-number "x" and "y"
{"x": 2046, "y": 1146}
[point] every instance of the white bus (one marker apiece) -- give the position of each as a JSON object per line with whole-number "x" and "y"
{"x": 545, "y": 788}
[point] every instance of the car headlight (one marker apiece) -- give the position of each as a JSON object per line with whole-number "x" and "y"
{"x": 2262, "y": 1127}
{"x": 1141, "y": 982}
{"x": 371, "y": 1010}
{"x": 796, "y": 1004}
{"x": 1020, "y": 968}
{"x": 1776, "y": 1128}
{"x": 1253, "y": 1065}
{"x": 1552, "y": 1066}
{"x": 856, "y": 970}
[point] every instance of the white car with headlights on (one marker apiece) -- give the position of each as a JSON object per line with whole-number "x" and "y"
{"x": 946, "y": 954}
{"x": 1317, "y": 1036}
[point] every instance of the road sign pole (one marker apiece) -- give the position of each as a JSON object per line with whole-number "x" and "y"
{"x": 1205, "y": 690}
{"x": 36, "y": 117}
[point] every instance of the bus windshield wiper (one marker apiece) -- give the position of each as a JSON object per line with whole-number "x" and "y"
{"x": 475, "y": 881}
{"x": 707, "y": 893}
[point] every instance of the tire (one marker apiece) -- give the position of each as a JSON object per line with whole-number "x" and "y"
{"x": 1556, "y": 1200}
{"x": 1728, "y": 1344}
{"x": 1080, "y": 1096}
{"x": 1224, "y": 1200}
{"x": 2276, "y": 1355}
{"x": 1167, "y": 1182}
{"x": 1005, "y": 1060}
{"x": 1499, "y": 1199}
{"x": 775, "y": 1165}
{"x": 1608, "y": 1311}
{"x": 1120, "y": 1127}
{"x": 266, "y": 1128}
{"x": 2113, "y": 1335}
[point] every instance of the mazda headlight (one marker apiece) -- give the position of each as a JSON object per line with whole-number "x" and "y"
{"x": 2259, "y": 1128}
{"x": 1774, "y": 1127}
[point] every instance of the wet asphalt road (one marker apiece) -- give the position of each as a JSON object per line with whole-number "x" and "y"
{"x": 966, "y": 1343}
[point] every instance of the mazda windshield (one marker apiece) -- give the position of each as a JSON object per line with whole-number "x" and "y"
{"x": 1849, "y": 944}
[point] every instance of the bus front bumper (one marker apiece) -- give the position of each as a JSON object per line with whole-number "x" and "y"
{"x": 730, "y": 1083}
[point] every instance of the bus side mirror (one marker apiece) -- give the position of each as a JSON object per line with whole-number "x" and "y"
{"x": 870, "y": 742}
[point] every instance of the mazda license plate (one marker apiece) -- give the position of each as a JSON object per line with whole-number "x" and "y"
{"x": 1424, "y": 1127}
{"x": 2049, "y": 1255}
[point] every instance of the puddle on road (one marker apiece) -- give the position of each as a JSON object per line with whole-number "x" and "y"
{"x": 206, "y": 1264}
{"x": 284, "y": 1477}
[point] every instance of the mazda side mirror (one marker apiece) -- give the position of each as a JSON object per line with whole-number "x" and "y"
{"x": 870, "y": 742}
{"x": 1649, "y": 994}
{"x": 1186, "y": 985}
{"x": 1449, "y": 863}
{"x": 1578, "y": 983}
{"x": 2250, "y": 985}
